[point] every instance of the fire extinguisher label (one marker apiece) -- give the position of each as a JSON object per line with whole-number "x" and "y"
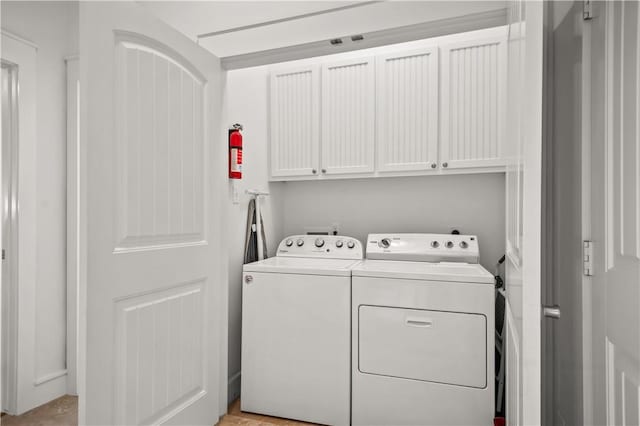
{"x": 236, "y": 160}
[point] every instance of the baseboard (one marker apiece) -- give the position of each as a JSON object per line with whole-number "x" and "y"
{"x": 233, "y": 392}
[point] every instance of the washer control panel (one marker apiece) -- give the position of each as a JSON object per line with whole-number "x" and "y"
{"x": 424, "y": 247}
{"x": 321, "y": 246}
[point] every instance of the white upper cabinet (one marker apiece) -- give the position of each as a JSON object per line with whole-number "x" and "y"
{"x": 407, "y": 110}
{"x": 348, "y": 117}
{"x": 295, "y": 117}
{"x": 437, "y": 108}
{"x": 473, "y": 100}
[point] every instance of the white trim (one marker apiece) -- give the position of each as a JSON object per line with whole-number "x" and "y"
{"x": 18, "y": 38}
{"x": 73, "y": 270}
{"x": 383, "y": 174}
{"x": 424, "y": 30}
{"x": 587, "y": 297}
{"x": 49, "y": 377}
{"x": 24, "y": 352}
{"x": 233, "y": 386}
{"x": 282, "y": 20}
{"x": 10, "y": 382}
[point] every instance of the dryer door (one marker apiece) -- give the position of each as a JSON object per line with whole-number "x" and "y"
{"x": 434, "y": 346}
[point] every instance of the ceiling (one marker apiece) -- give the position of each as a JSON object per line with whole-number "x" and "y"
{"x": 194, "y": 18}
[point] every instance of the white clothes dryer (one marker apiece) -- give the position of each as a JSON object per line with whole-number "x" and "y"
{"x": 423, "y": 332}
{"x": 296, "y": 330}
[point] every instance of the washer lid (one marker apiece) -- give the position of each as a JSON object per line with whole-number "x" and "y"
{"x": 441, "y": 271}
{"x": 302, "y": 265}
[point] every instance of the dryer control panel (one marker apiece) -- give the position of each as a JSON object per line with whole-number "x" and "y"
{"x": 423, "y": 247}
{"x": 321, "y": 246}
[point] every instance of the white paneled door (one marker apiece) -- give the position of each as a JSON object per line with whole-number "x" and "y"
{"x": 523, "y": 148}
{"x": 348, "y": 114}
{"x": 615, "y": 214}
{"x": 473, "y": 101}
{"x": 407, "y": 110}
{"x": 152, "y": 164}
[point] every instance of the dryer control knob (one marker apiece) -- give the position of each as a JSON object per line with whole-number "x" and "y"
{"x": 351, "y": 244}
{"x": 300, "y": 242}
{"x": 319, "y": 242}
{"x": 339, "y": 243}
{"x": 435, "y": 244}
{"x": 464, "y": 244}
{"x": 449, "y": 244}
{"x": 289, "y": 243}
{"x": 385, "y": 243}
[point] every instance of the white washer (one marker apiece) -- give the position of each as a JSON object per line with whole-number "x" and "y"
{"x": 423, "y": 332}
{"x": 296, "y": 330}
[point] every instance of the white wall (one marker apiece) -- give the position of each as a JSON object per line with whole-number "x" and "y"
{"x": 474, "y": 204}
{"x": 53, "y": 27}
{"x": 246, "y": 103}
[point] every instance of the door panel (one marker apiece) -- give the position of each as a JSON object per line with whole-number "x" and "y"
{"x": 473, "y": 93}
{"x": 160, "y": 149}
{"x": 309, "y": 379}
{"x": 295, "y": 122}
{"x": 154, "y": 171}
{"x": 407, "y": 110}
{"x": 396, "y": 342}
{"x": 523, "y": 147}
{"x": 616, "y": 212}
{"x": 348, "y": 116}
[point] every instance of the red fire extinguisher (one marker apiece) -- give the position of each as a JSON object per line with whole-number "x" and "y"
{"x": 235, "y": 152}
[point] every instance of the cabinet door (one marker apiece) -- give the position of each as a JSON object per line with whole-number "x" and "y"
{"x": 407, "y": 110}
{"x": 473, "y": 99}
{"x": 348, "y": 114}
{"x": 294, "y": 120}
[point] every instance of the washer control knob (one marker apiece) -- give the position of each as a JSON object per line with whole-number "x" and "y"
{"x": 464, "y": 244}
{"x": 300, "y": 242}
{"x": 319, "y": 242}
{"x": 351, "y": 244}
{"x": 289, "y": 243}
{"x": 435, "y": 244}
{"x": 449, "y": 244}
{"x": 385, "y": 243}
{"x": 339, "y": 243}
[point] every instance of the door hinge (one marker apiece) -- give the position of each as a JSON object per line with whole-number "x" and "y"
{"x": 587, "y": 10}
{"x": 587, "y": 258}
{"x": 2, "y": 254}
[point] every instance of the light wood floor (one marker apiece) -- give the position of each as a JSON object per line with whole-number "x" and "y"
{"x": 59, "y": 412}
{"x": 237, "y": 417}
{"x": 64, "y": 412}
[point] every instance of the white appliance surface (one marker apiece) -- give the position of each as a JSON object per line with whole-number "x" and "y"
{"x": 302, "y": 265}
{"x": 296, "y": 330}
{"x": 423, "y": 247}
{"x": 422, "y": 332}
{"x": 446, "y": 347}
{"x": 442, "y": 271}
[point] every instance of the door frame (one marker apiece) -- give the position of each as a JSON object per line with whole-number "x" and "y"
{"x": 10, "y": 326}
{"x": 587, "y": 297}
{"x": 25, "y": 389}
{"x": 73, "y": 235}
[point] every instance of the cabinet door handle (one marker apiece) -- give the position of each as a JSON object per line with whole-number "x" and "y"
{"x": 419, "y": 322}
{"x": 433, "y": 165}
{"x": 324, "y": 170}
{"x": 445, "y": 165}
{"x": 314, "y": 171}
